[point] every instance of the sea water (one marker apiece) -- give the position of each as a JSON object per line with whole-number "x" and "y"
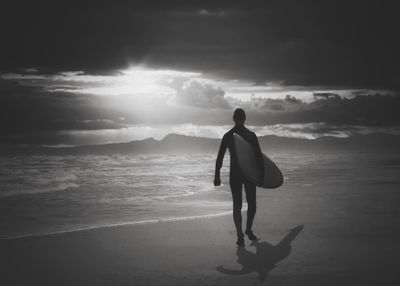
{"x": 51, "y": 194}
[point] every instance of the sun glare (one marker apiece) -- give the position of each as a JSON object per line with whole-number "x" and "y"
{"x": 138, "y": 82}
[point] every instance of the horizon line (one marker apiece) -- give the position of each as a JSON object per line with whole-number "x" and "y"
{"x": 56, "y": 146}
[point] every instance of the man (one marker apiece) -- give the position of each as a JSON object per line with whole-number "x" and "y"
{"x": 236, "y": 180}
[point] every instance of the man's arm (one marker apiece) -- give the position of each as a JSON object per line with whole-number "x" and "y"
{"x": 220, "y": 159}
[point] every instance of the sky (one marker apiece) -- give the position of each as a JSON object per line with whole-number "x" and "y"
{"x": 76, "y": 73}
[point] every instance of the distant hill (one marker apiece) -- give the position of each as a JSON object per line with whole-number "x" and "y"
{"x": 174, "y": 143}
{"x": 370, "y": 142}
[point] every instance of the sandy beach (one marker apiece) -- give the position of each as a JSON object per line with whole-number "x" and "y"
{"x": 346, "y": 240}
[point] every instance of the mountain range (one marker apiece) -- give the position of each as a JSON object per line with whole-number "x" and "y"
{"x": 174, "y": 143}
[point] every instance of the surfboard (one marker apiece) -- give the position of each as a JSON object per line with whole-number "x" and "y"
{"x": 248, "y": 165}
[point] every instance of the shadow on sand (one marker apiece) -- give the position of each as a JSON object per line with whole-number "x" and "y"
{"x": 265, "y": 257}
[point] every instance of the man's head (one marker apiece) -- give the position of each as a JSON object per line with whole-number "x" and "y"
{"x": 239, "y": 116}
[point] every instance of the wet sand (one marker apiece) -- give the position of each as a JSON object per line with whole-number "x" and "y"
{"x": 350, "y": 237}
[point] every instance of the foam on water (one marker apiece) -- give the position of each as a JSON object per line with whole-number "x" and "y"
{"x": 42, "y": 194}
{"x": 76, "y": 229}
{"x": 55, "y": 194}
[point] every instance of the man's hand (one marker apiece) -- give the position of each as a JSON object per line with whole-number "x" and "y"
{"x": 217, "y": 181}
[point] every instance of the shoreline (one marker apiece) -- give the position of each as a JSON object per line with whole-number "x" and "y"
{"x": 350, "y": 237}
{"x": 174, "y": 253}
{"x": 122, "y": 224}
{"x": 334, "y": 246}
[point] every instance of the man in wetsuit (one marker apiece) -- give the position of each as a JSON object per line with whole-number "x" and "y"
{"x": 236, "y": 180}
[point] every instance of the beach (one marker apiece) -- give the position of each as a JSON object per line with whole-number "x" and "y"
{"x": 350, "y": 237}
{"x": 127, "y": 129}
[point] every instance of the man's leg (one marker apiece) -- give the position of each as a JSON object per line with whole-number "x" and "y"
{"x": 236, "y": 190}
{"x": 251, "y": 207}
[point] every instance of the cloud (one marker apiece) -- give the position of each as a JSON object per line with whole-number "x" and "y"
{"x": 34, "y": 109}
{"x": 326, "y": 95}
{"x": 197, "y": 94}
{"x": 368, "y": 110}
{"x": 64, "y": 65}
{"x": 33, "y": 112}
{"x": 297, "y": 43}
{"x": 268, "y": 105}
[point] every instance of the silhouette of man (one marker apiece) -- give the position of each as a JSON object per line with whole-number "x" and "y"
{"x": 236, "y": 180}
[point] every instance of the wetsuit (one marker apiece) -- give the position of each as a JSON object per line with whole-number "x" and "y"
{"x": 236, "y": 180}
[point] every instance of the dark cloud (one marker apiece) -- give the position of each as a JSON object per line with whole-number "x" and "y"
{"x": 368, "y": 110}
{"x": 292, "y": 99}
{"x": 340, "y": 43}
{"x": 305, "y": 44}
{"x": 33, "y": 113}
{"x": 33, "y": 109}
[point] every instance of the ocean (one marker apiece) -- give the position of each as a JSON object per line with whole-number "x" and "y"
{"x": 54, "y": 194}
